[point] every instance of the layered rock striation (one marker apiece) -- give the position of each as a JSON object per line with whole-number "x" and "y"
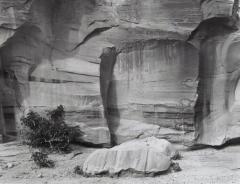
{"x": 153, "y": 83}
{"x": 123, "y": 69}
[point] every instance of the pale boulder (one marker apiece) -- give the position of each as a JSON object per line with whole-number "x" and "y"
{"x": 149, "y": 156}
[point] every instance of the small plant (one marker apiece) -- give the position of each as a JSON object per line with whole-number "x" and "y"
{"x": 41, "y": 160}
{"x": 51, "y": 132}
{"x": 177, "y": 156}
{"x": 175, "y": 167}
{"x": 78, "y": 170}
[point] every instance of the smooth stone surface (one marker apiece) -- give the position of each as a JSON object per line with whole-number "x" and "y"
{"x": 92, "y": 136}
{"x": 130, "y": 129}
{"x": 141, "y": 156}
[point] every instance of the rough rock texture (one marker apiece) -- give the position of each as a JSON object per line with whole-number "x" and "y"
{"x": 54, "y": 57}
{"x": 142, "y": 156}
{"x": 153, "y": 82}
{"x": 119, "y": 65}
{"x": 41, "y": 68}
{"x": 216, "y": 8}
{"x": 218, "y": 107}
{"x": 216, "y": 112}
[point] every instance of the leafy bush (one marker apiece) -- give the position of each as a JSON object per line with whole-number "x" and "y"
{"x": 41, "y": 160}
{"x": 57, "y": 115}
{"x": 51, "y": 132}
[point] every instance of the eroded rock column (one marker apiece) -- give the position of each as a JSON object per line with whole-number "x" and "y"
{"x": 216, "y": 111}
{"x": 217, "y": 114}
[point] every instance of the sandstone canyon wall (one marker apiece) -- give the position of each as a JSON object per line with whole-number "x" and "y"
{"x": 123, "y": 69}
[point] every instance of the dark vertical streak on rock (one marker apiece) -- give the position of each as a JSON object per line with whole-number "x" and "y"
{"x": 108, "y": 60}
{"x": 210, "y": 110}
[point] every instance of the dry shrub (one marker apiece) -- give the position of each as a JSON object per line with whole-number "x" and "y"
{"x": 51, "y": 132}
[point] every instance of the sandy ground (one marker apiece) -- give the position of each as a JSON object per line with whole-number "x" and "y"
{"x": 206, "y": 166}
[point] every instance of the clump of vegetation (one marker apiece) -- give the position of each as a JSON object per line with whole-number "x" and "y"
{"x": 177, "y": 156}
{"x": 78, "y": 170}
{"x": 51, "y": 132}
{"x": 175, "y": 167}
{"x": 41, "y": 160}
{"x": 57, "y": 115}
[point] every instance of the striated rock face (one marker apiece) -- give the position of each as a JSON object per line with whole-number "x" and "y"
{"x": 122, "y": 69}
{"x": 217, "y": 110}
{"x": 42, "y": 68}
{"x": 216, "y": 8}
{"x": 153, "y": 82}
{"x": 142, "y": 157}
{"x": 54, "y": 58}
{"x": 92, "y": 135}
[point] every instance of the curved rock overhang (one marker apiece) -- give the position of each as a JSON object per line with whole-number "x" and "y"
{"x": 127, "y": 63}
